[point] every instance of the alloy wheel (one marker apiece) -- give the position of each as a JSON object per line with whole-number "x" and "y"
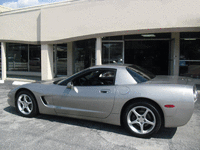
{"x": 141, "y": 120}
{"x": 25, "y": 104}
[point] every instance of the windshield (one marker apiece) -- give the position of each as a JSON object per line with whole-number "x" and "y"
{"x": 66, "y": 80}
{"x": 140, "y": 74}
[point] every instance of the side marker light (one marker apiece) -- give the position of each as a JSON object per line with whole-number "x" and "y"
{"x": 169, "y": 106}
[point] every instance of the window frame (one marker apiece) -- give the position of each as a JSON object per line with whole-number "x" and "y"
{"x": 84, "y": 72}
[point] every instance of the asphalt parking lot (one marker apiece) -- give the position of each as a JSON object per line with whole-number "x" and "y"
{"x": 53, "y": 132}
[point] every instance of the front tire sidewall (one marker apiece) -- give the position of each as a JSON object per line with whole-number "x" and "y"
{"x": 152, "y": 108}
{"x": 34, "y": 111}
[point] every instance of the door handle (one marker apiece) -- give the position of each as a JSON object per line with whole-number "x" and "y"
{"x": 105, "y": 91}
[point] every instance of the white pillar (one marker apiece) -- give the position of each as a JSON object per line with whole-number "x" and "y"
{"x": 175, "y": 53}
{"x": 3, "y": 60}
{"x": 98, "y": 51}
{"x": 69, "y": 59}
{"x": 47, "y": 62}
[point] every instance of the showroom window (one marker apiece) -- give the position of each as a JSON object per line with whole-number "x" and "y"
{"x": 113, "y": 52}
{"x": 190, "y": 54}
{"x": 23, "y": 57}
{"x": 35, "y": 58}
{"x": 84, "y": 54}
{"x": 148, "y": 50}
{"x": 60, "y": 59}
{"x": 0, "y": 56}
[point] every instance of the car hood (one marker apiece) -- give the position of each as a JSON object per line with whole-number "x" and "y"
{"x": 55, "y": 80}
{"x": 173, "y": 80}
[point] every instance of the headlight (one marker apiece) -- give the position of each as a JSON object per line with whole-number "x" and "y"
{"x": 195, "y": 93}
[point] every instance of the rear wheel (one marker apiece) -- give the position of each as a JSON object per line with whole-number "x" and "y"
{"x": 26, "y": 104}
{"x": 141, "y": 119}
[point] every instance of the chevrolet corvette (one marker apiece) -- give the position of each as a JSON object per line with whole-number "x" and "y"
{"x": 125, "y": 95}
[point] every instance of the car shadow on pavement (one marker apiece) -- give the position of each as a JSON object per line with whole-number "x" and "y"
{"x": 163, "y": 133}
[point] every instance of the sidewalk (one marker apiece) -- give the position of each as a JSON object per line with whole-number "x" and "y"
{"x": 23, "y": 80}
{"x": 19, "y": 80}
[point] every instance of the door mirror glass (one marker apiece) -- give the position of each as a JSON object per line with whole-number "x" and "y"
{"x": 70, "y": 85}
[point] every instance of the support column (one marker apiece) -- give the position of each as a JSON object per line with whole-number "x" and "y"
{"x": 175, "y": 53}
{"x": 98, "y": 51}
{"x": 47, "y": 62}
{"x": 70, "y": 59}
{"x": 3, "y": 60}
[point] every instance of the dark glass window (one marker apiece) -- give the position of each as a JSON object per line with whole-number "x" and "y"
{"x": 35, "y": 58}
{"x": 61, "y": 59}
{"x": 112, "y": 52}
{"x": 190, "y": 49}
{"x": 84, "y": 54}
{"x": 17, "y": 57}
{"x": 149, "y": 36}
{"x": 0, "y": 56}
{"x": 190, "y": 55}
{"x": 112, "y": 38}
{"x": 151, "y": 55}
{"x": 190, "y": 35}
{"x": 23, "y": 57}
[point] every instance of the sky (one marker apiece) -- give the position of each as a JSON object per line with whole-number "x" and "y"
{"x": 25, "y": 3}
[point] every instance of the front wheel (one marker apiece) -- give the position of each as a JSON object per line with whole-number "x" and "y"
{"x": 141, "y": 119}
{"x": 26, "y": 104}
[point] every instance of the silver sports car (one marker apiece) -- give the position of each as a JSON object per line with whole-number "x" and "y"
{"x": 115, "y": 94}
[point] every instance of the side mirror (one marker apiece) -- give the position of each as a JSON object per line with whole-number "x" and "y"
{"x": 70, "y": 85}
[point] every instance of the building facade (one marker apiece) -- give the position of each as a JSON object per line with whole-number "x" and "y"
{"x": 66, "y": 37}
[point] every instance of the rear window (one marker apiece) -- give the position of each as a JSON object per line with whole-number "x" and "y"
{"x": 140, "y": 74}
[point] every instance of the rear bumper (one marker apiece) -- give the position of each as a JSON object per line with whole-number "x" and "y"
{"x": 180, "y": 118}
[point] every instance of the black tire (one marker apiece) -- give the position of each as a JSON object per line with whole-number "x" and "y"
{"x": 141, "y": 119}
{"x": 26, "y": 104}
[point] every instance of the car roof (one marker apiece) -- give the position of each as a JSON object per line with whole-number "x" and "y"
{"x": 111, "y": 66}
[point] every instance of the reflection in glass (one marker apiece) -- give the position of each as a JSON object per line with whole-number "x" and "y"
{"x": 190, "y": 58}
{"x": 112, "y": 52}
{"x": 84, "y": 54}
{"x": 62, "y": 59}
{"x": 23, "y": 57}
{"x": 17, "y": 57}
{"x": 0, "y": 56}
{"x": 151, "y": 55}
{"x": 35, "y": 58}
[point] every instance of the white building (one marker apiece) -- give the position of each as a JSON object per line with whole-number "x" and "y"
{"x": 66, "y": 37}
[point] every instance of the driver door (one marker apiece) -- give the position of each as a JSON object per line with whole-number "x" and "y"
{"x": 91, "y": 94}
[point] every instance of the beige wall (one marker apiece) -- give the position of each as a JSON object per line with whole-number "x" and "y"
{"x": 97, "y": 17}
{"x": 63, "y": 22}
{"x": 21, "y": 26}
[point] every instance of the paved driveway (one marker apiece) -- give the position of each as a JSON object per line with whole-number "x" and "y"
{"x": 53, "y": 132}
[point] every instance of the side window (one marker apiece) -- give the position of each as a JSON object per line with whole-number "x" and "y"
{"x": 96, "y": 77}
